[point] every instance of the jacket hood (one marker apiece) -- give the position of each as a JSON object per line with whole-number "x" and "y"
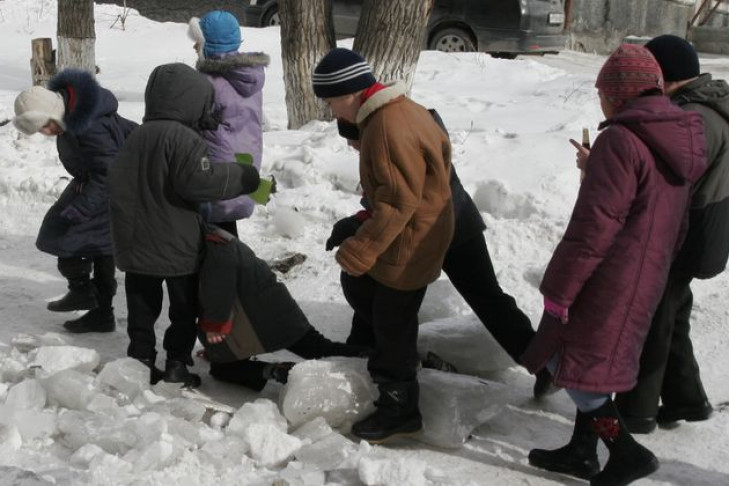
{"x": 706, "y": 91}
{"x": 177, "y": 92}
{"x": 85, "y": 100}
{"x": 675, "y": 136}
{"x": 223, "y": 64}
{"x": 242, "y": 70}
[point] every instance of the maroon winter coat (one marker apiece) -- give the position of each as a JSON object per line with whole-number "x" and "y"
{"x": 610, "y": 268}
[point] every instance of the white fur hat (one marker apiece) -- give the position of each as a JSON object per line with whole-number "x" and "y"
{"x": 195, "y": 33}
{"x": 35, "y": 106}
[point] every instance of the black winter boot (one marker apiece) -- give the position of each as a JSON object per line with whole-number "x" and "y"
{"x": 81, "y": 296}
{"x": 177, "y": 372}
{"x": 397, "y": 413}
{"x": 81, "y": 291}
{"x": 100, "y": 319}
{"x": 628, "y": 459}
{"x": 578, "y": 458}
{"x": 155, "y": 374}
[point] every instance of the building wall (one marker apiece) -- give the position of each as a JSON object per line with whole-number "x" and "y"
{"x": 601, "y": 25}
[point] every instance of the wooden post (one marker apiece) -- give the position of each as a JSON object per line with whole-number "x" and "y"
{"x": 42, "y": 61}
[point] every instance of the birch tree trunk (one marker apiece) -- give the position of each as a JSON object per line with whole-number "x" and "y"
{"x": 76, "y": 35}
{"x": 307, "y": 34}
{"x": 390, "y": 35}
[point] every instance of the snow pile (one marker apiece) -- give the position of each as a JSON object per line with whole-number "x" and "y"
{"x": 110, "y": 425}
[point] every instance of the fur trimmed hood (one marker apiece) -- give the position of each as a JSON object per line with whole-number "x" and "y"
{"x": 219, "y": 66}
{"x": 380, "y": 99}
{"x": 83, "y": 97}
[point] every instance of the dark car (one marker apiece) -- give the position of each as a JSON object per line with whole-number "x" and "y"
{"x": 503, "y": 28}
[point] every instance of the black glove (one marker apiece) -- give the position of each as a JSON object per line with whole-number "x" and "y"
{"x": 343, "y": 229}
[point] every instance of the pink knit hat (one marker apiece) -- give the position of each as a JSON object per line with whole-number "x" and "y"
{"x": 628, "y": 72}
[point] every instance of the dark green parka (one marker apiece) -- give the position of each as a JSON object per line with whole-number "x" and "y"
{"x": 162, "y": 174}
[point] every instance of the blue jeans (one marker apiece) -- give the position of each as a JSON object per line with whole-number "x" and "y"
{"x": 585, "y": 401}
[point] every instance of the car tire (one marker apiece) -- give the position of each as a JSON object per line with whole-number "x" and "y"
{"x": 271, "y": 17}
{"x": 452, "y": 39}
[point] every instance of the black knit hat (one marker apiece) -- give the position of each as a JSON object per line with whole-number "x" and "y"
{"x": 677, "y": 58}
{"x": 341, "y": 72}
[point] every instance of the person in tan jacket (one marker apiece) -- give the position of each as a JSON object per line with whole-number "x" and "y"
{"x": 405, "y": 161}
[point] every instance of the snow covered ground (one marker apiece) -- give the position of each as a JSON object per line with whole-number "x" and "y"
{"x": 64, "y": 422}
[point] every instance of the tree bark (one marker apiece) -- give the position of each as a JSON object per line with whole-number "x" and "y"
{"x": 390, "y": 35}
{"x": 307, "y": 34}
{"x": 43, "y": 60}
{"x": 76, "y": 35}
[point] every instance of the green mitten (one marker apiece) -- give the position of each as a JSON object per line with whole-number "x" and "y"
{"x": 264, "y": 191}
{"x": 244, "y": 159}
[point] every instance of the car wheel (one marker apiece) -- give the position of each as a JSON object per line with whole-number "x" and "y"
{"x": 271, "y": 17}
{"x": 452, "y": 39}
{"x": 504, "y": 55}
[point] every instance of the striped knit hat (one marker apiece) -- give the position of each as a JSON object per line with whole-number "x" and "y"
{"x": 341, "y": 72}
{"x": 628, "y": 72}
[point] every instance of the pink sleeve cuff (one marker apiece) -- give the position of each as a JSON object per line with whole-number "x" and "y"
{"x": 555, "y": 309}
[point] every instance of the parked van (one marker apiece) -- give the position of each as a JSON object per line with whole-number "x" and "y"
{"x": 503, "y": 28}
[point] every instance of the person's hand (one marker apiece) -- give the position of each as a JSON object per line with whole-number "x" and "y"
{"x": 582, "y": 154}
{"x": 215, "y": 337}
{"x": 343, "y": 229}
{"x": 556, "y": 310}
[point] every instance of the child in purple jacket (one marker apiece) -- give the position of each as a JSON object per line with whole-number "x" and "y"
{"x": 238, "y": 79}
{"x": 607, "y": 274}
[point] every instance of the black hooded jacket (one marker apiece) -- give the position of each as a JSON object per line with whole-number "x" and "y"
{"x": 77, "y": 225}
{"x": 705, "y": 250}
{"x": 162, "y": 174}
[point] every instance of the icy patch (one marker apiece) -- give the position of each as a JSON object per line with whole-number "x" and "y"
{"x": 126, "y": 375}
{"x": 337, "y": 389}
{"x": 453, "y": 405}
{"x": 269, "y": 445}
{"x": 28, "y": 342}
{"x": 464, "y": 343}
{"x": 70, "y": 389}
{"x": 329, "y": 453}
{"x": 340, "y": 391}
{"x": 261, "y": 411}
{"x": 393, "y": 472}
{"x": 49, "y": 360}
{"x": 26, "y": 395}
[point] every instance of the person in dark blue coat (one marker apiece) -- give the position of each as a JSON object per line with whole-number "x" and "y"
{"x": 89, "y": 133}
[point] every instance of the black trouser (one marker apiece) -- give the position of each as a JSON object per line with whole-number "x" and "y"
{"x": 312, "y": 346}
{"x": 668, "y": 368}
{"x": 77, "y": 270}
{"x": 392, "y": 316}
{"x": 471, "y": 272}
{"x": 144, "y": 306}
{"x": 469, "y": 269}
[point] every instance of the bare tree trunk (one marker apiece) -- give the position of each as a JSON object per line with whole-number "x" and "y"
{"x": 307, "y": 34}
{"x": 390, "y": 35}
{"x": 76, "y": 35}
{"x": 43, "y": 60}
